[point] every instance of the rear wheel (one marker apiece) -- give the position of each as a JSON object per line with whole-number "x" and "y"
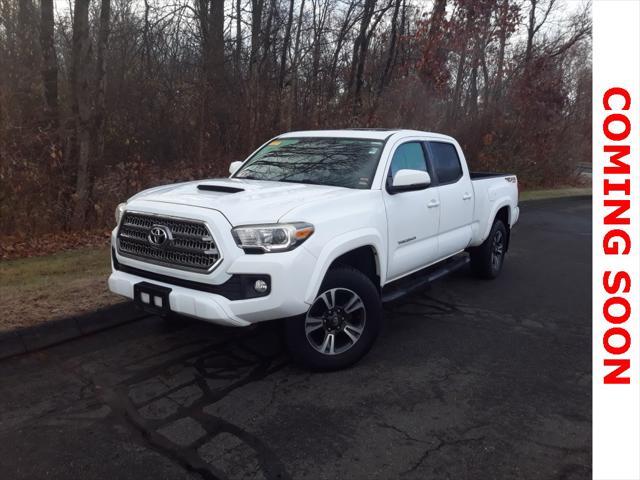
{"x": 487, "y": 258}
{"x": 341, "y": 324}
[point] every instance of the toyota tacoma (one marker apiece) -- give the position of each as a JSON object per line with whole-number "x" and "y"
{"x": 318, "y": 228}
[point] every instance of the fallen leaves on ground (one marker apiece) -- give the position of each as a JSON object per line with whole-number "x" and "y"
{"x": 22, "y": 246}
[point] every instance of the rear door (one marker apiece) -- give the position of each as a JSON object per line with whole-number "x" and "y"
{"x": 412, "y": 216}
{"x": 456, "y": 197}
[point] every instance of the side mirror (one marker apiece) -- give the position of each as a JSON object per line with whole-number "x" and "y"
{"x": 234, "y": 166}
{"x": 409, "y": 180}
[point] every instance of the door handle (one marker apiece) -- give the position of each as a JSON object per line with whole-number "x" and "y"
{"x": 466, "y": 196}
{"x": 433, "y": 204}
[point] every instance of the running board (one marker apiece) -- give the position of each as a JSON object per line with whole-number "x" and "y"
{"x": 423, "y": 278}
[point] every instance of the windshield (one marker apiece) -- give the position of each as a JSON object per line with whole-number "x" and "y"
{"x": 341, "y": 162}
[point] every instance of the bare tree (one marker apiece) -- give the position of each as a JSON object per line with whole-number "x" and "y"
{"x": 293, "y": 104}
{"x": 238, "y": 52}
{"x": 503, "y": 33}
{"x": 369, "y": 23}
{"x": 49, "y": 62}
{"x": 534, "y": 24}
{"x": 393, "y": 40}
{"x": 101, "y": 79}
{"x": 256, "y": 29}
{"x": 80, "y": 91}
{"x": 286, "y": 41}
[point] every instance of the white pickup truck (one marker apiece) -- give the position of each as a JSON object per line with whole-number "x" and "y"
{"x": 317, "y": 228}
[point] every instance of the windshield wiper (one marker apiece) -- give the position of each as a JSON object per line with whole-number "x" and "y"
{"x": 307, "y": 181}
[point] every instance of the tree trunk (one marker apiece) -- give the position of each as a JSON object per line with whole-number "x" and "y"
{"x": 479, "y": 47}
{"x": 454, "y": 105}
{"x": 340, "y": 41}
{"x": 401, "y": 50}
{"x": 202, "y": 14}
{"x": 531, "y": 31}
{"x": 286, "y": 41}
{"x": 392, "y": 47}
{"x": 472, "y": 96}
{"x": 437, "y": 18}
{"x": 256, "y": 28}
{"x": 26, "y": 61}
{"x": 238, "y": 51}
{"x": 319, "y": 22}
{"x": 101, "y": 78}
{"x": 293, "y": 106}
{"x": 266, "y": 35}
{"x": 502, "y": 42}
{"x": 49, "y": 63}
{"x": 146, "y": 48}
{"x": 215, "y": 68}
{"x": 80, "y": 91}
{"x": 457, "y": 91}
{"x": 253, "y": 94}
{"x": 486, "y": 83}
{"x": 360, "y": 49}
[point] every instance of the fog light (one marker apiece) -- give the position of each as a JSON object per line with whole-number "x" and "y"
{"x": 260, "y": 286}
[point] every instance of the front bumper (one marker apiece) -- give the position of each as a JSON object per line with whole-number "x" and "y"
{"x": 211, "y": 297}
{"x": 285, "y": 299}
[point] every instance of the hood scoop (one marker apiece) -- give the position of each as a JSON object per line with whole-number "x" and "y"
{"x": 219, "y": 188}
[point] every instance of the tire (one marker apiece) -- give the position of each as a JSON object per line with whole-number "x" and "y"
{"x": 332, "y": 338}
{"x": 487, "y": 259}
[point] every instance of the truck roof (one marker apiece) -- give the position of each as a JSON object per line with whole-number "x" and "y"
{"x": 365, "y": 133}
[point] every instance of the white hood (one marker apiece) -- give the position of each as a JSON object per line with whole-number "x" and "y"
{"x": 258, "y": 201}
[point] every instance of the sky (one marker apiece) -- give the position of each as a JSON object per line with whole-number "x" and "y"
{"x": 571, "y": 6}
{"x": 564, "y": 9}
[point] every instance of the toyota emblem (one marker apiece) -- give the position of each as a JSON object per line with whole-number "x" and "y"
{"x": 158, "y": 235}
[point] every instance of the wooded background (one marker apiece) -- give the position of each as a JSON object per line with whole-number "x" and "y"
{"x": 101, "y": 98}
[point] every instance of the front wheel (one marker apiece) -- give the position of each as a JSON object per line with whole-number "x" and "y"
{"x": 340, "y": 326}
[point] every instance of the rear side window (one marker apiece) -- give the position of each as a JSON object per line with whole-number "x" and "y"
{"x": 446, "y": 163}
{"x": 408, "y": 156}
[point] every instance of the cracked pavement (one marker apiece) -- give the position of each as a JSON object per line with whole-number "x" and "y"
{"x": 469, "y": 379}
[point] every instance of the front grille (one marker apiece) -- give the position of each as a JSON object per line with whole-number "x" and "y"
{"x": 185, "y": 244}
{"x": 239, "y": 286}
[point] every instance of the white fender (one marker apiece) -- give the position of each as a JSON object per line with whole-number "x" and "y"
{"x": 339, "y": 246}
{"x": 503, "y": 202}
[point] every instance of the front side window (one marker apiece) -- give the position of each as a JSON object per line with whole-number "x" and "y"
{"x": 341, "y": 162}
{"x": 408, "y": 156}
{"x": 445, "y": 161}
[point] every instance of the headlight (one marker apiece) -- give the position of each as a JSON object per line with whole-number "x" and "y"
{"x": 119, "y": 212}
{"x": 277, "y": 237}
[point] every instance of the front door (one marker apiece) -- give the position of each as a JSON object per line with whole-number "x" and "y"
{"x": 412, "y": 217}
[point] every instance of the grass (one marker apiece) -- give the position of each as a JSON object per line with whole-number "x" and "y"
{"x": 61, "y": 266}
{"x": 38, "y": 289}
{"x": 554, "y": 193}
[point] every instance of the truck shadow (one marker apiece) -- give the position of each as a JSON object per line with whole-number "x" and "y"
{"x": 173, "y": 401}
{"x": 168, "y": 400}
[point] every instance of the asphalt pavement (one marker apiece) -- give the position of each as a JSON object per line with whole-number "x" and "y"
{"x": 470, "y": 379}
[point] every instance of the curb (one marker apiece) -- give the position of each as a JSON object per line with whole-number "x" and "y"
{"x": 25, "y": 340}
{"x": 559, "y": 197}
{"x": 533, "y": 201}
